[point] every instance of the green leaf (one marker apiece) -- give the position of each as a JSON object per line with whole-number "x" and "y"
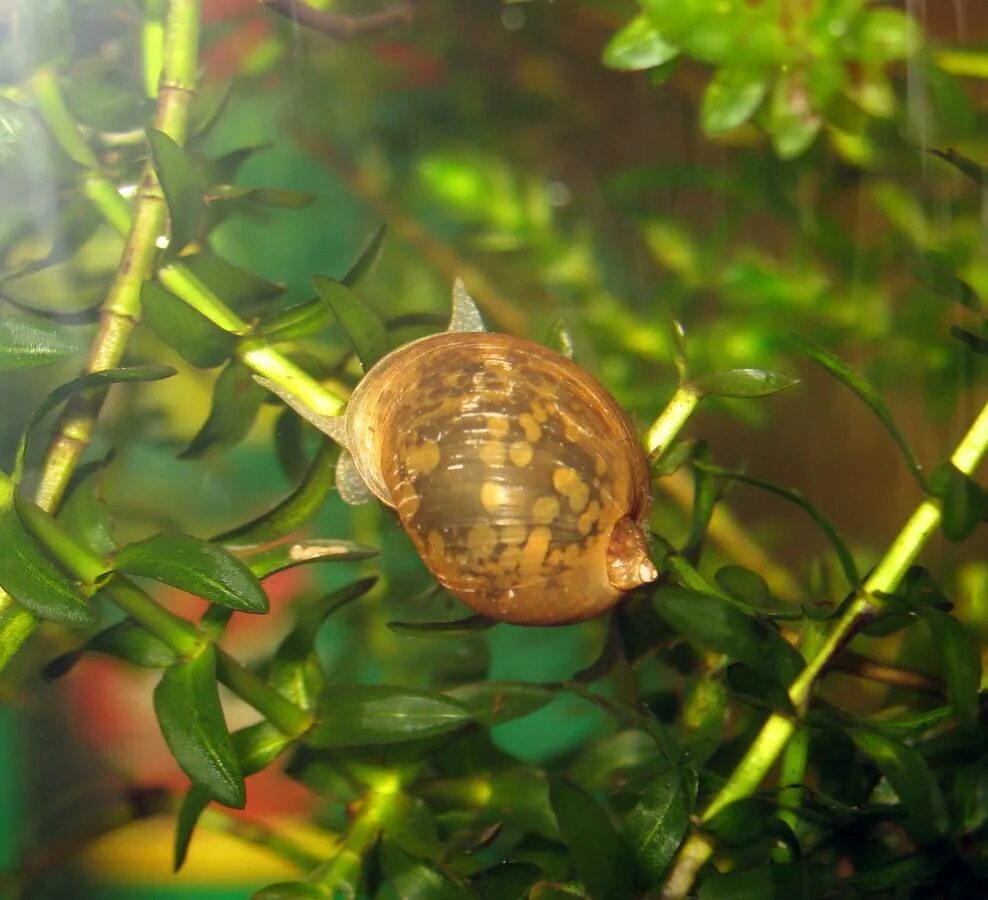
{"x": 364, "y": 326}
{"x": 972, "y": 341}
{"x": 91, "y": 381}
{"x": 237, "y": 399}
{"x": 655, "y": 826}
{"x": 126, "y": 640}
{"x": 494, "y": 702}
{"x": 103, "y": 104}
{"x": 885, "y": 35}
{"x": 960, "y": 662}
{"x": 20, "y": 133}
{"x": 182, "y": 188}
{"x": 30, "y": 577}
{"x": 239, "y": 288}
{"x": 911, "y": 779}
{"x": 506, "y": 881}
{"x": 195, "y": 802}
{"x": 913, "y": 869}
{"x": 84, "y": 514}
{"x": 294, "y": 510}
{"x": 367, "y": 259}
{"x": 258, "y": 745}
{"x": 964, "y": 501}
{"x": 25, "y": 343}
{"x": 732, "y": 97}
{"x": 860, "y": 386}
{"x": 831, "y": 533}
{"x": 405, "y": 878}
{"x": 704, "y": 497}
{"x": 744, "y": 383}
{"x": 300, "y": 553}
{"x": 410, "y": 825}
{"x": 774, "y": 881}
{"x": 358, "y": 714}
{"x": 457, "y": 628}
{"x": 294, "y": 890}
{"x": 601, "y": 858}
{"x": 188, "y": 332}
{"x": 721, "y": 626}
{"x": 187, "y": 704}
{"x": 638, "y": 46}
{"x": 196, "y": 566}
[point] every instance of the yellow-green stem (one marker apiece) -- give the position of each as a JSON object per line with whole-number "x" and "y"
{"x": 778, "y": 729}
{"x": 671, "y": 420}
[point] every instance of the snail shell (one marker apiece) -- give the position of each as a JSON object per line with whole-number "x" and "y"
{"x": 518, "y": 478}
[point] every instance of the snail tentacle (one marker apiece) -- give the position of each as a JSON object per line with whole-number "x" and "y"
{"x": 332, "y": 426}
{"x": 353, "y": 489}
{"x": 466, "y": 317}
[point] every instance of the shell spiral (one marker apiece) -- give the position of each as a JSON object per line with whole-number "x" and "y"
{"x": 517, "y": 476}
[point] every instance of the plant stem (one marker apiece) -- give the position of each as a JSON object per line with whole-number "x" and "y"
{"x": 671, "y": 420}
{"x": 778, "y": 729}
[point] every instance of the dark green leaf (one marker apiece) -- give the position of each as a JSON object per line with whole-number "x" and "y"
{"x": 188, "y": 332}
{"x": 960, "y": 662}
{"x": 208, "y": 104}
{"x": 195, "y": 802}
{"x": 187, "y": 704}
{"x": 300, "y": 553}
{"x": 182, "y": 188}
{"x": 638, "y": 46}
{"x": 362, "y": 324}
{"x": 103, "y": 104}
{"x": 903, "y": 872}
{"x": 674, "y": 458}
{"x": 718, "y": 625}
{"x": 910, "y": 778}
{"x": 28, "y": 342}
{"x": 126, "y": 640}
{"x": 77, "y": 223}
{"x": 30, "y": 577}
{"x": 294, "y": 890}
{"x": 704, "y": 497}
{"x": 368, "y": 257}
{"x": 258, "y": 745}
{"x": 507, "y": 881}
{"x": 758, "y": 689}
{"x": 196, "y": 566}
{"x": 792, "y": 122}
{"x": 237, "y": 399}
{"x": 240, "y": 289}
{"x": 731, "y": 98}
{"x": 601, "y": 858}
{"x": 744, "y": 383}
{"x": 405, "y": 878}
{"x": 860, "y": 386}
{"x": 457, "y": 628}
{"x": 774, "y": 881}
{"x": 657, "y": 823}
{"x": 975, "y": 343}
{"x": 84, "y": 513}
{"x": 303, "y": 320}
{"x": 294, "y": 510}
{"x": 494, "y": 702}
{"x": 409, "y": 825}
{"x": 831, "y": 533}
{"x": 358, "y": 714}
{"x": 964, "y": 501}
{"x": 91, "y": 381}
{"x": 750, "y": 589}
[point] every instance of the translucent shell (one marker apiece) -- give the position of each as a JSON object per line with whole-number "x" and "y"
{"x": 517, "y": 476}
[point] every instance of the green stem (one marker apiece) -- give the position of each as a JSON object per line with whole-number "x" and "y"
{"x": 779, "y": 729}
{"x": 671, "y": 420}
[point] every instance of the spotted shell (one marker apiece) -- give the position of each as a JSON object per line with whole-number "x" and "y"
{"x": 517, "y": 476}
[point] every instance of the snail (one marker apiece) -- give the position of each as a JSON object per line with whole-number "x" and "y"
{"x": 516, "y": 475}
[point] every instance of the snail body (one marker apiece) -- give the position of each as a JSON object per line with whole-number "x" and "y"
{"x": 518, "y": 478}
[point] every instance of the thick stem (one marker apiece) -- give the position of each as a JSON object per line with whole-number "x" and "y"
{"x": 671, "y": 420}
{"x": 778, "y": 729}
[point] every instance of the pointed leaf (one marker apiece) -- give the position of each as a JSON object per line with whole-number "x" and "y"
{"x": 964, "y": 501}
{"x": 84, "y": 514}
{"x": 600, "y": 856}
{"x": 182, "y": 188}
{"x": 30, "y": 577}
{"x": 237, "y": 399}
{"x": 457, "y": 628}
{"x": 494, "y": 702}
{"x": 196, "y": 566}
{"x": 188, "y": 332}
{"x": 362, "y": 324}
{"x": 294, "y": 510}
{"x": 239, "y": 288}
{"x": 300, "y": 553}
{"x": 28, "y": 342}
{"x": 126, "y": 640}
{"x": 638, "y": 46}
{"x": 744, "y": 383}
{"x": 732, "y": 98}
{"x": 195, "y": 802}
{"x": 656, "y": 825}
{"x": 103, "y": 104}
{"x": 406, "y": 878}
{"x": 187, "y": 704}
{"x": 367, "y": 259}
{"x": 793, "y": 123}
{"x": 506, "y": 881}
{"x": 380, "y": 714}
{"x": 960, "y": 662}
{"x": 859, "y": 384}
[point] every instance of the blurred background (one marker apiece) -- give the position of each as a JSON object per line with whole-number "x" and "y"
{"x": 501, "y": 143}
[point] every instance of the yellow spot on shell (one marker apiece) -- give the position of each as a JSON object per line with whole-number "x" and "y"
{"x": 498, "y": 426}
{"x": 512, "y": 535}
{"x": 600, "y": 465}
{"x": 578, "y": 496}
{"x": 544, "y": 510}
{"x": 521, "y": 453}
{"x": 494, "y": 496}
{"x": 539, "y": 412}
{"x": 481, "y": 540}
{"x": 572, "y": 487}
{"x": 534, "y": 552}
{"x": 571, "y": 433}
{"x": 532, "y": 429}
{"x": 492, "y": 453}
{"x": 422, "y": 458}
{"x": 435, "y": 544}
{"x": 585, "y": 523}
